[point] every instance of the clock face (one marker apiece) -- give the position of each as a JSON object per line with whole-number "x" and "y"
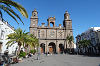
{"x": 51, "y": 20}
{"x": 33, "y": 24}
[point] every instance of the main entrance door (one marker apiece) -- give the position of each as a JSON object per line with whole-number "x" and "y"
{"x": 42, "y": 48}
{"x": 52, "y": 47}
{"x": 61, "y": 48}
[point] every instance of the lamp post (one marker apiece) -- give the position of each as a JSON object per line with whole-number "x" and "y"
{"x": 38, "y": 46}
{"x": 38, "y": 53}
{"x": 46, "y": 49}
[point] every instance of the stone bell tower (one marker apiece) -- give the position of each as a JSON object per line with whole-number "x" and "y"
{"x": 34, "y": 22}
{"x": 34, "y": 19}
{"x": 67, "y": 23}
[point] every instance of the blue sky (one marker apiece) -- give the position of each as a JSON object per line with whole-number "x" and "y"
{"x": 84, "y": 13}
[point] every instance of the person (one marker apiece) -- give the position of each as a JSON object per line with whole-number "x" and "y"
{"x": 46, "y": 53}
{"x": 1, "y": 62}
{"x": 29, "y": 55}
{"x": 6, "y": 58}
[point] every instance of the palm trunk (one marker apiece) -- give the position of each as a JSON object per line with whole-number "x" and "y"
{"x": 70, "y": 47}
{"x": 26, "y": 48}
{"x": 19, "y": 44}
{"x": 19, "y": 50}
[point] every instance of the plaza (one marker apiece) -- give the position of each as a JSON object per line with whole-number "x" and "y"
{"x": 60, "y": 60}
{"x": 47, "y": 36}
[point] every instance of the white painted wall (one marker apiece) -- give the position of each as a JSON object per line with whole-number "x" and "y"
{"x": 6, "y": 29}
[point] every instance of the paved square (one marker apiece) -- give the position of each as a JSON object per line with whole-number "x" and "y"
{"x": 60, "y": 60}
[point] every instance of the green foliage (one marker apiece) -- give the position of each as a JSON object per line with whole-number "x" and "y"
{"x": 22, "y": 54}
{"x": 33, "y": 41}
{"x": 6, "y": 5}
{"x": 70, "y": 39}
{"x": 23, "y": 39}
{"x": 32, "y": 51}
{"x": 18, "y": 37}
{"x": 84, "y": 43}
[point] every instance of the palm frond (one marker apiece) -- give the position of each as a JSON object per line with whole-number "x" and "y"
{"x": 8, "y": 4}
{"x": 10, "y": 42}
{"x": 1, "y": 13}
{"x": 5, "y": 9}
{"x": 17, "y": 6}
{"x": 14, "y": 14}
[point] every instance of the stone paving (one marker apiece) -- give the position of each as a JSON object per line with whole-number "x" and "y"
{"x": 60, "y": 60}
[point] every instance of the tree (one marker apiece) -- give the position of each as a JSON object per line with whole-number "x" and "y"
{"x": 17, "y": 37}
{"x": 84, "y": 44}
{"x": 80, "y": 46}
{"x": 70, "y": 40}
{"x": 31, "y": 41}
{"x": 6, "y": 5}
{"x": 23, "y": 39}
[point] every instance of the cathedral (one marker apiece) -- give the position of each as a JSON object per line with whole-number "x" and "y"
{"x": 52, "y": 39}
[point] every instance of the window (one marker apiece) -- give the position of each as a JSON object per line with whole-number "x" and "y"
{"x": 2, "y": 34}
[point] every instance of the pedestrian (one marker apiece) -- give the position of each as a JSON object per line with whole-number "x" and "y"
{"x": 6, "y": 58}
{"x": 46, "y": 53}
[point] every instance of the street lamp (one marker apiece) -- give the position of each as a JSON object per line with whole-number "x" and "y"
{"x": 38, "y": 46}
{"x": 46, "y": 49}
{"x": 37, "y": 54}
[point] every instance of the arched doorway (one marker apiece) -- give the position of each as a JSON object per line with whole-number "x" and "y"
{"x": 52, "y": 47}
{"x": 61, "y": 48}
{"x": 42, "y": 48}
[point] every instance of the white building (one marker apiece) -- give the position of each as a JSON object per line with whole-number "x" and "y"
{"x": 92, "y": 34}
{"x": 6, "y": 29}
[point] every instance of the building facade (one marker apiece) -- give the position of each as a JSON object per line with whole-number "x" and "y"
{"x": 92, "y": 34}
{"x": 6, "y": 29}
{"x": 52, "y": 39}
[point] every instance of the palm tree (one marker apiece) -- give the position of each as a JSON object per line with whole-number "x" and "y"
{"x": 6, "y": 5}
{"x": 80, "y": 46}
{"x": 18, "y": 37}
{"x": 70, "y": 40}
{"x": 23, "y": 39}
{"x": 31, "y": 42}
{"x": 84, "y": 44}
{"x": 35, "y": 41}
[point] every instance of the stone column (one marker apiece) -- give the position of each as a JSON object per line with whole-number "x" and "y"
{"x": 47, "y": 48}
{"x": 57, "y": 47}
{"x": 65, "y": 44}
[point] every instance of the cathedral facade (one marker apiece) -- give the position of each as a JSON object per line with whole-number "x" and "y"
{"x": 52, "y": 39}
